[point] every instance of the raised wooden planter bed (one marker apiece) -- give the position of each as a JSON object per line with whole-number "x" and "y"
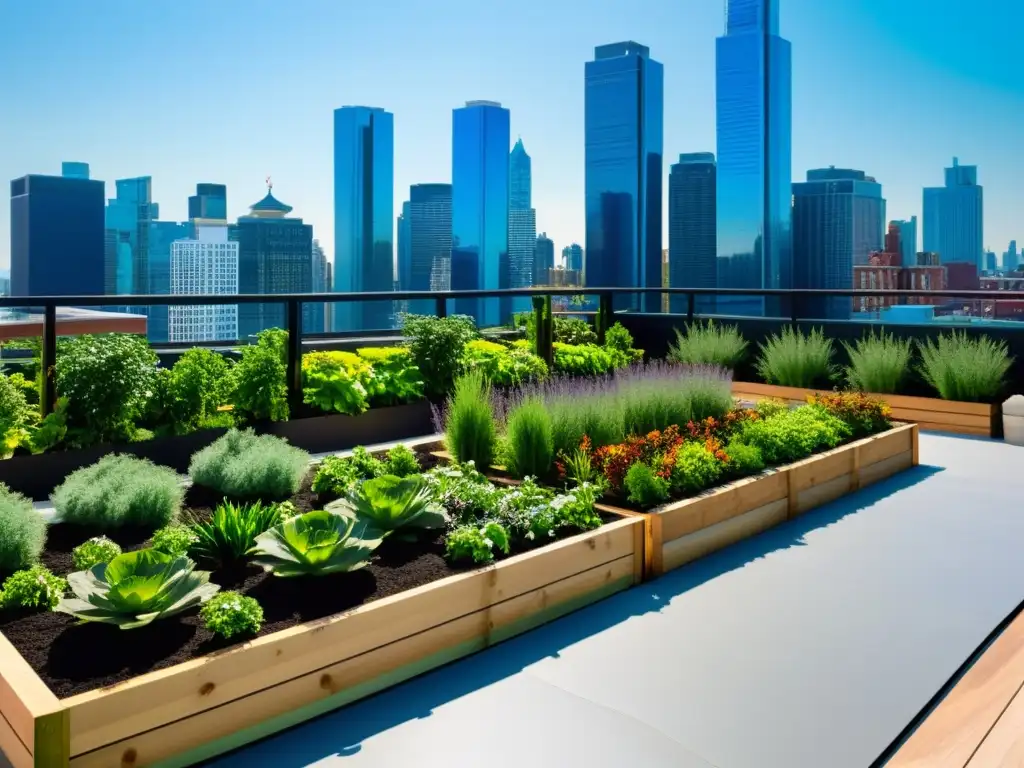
{"x": 192, "y": 711}
{"x": 682, "y": 531}
{"x": 929, "y": 413}
{"x": 36, "y": 476}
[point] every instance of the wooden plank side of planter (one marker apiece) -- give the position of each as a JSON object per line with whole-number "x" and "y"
{"x": 680, "y": 551}
{"x": 112, "y": 714}
{"x": 30, "y": 714}
{"x": 202, "y": 735}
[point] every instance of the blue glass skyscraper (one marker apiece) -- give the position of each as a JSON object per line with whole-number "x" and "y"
{"x": 161, "y": 235}
{"x": 210, "y": 202}
{"x": 404, "y": 248}
{"x": 753, "y": 74}
{"x": 624, "y": 106}
{"x": 430, "y": 237}
{"x": 480, "y": 192}
{"x": 364, "y": 214}
{"x": 128, "y": 216}
{"x": 838, "y": 220}
{"x": 954, "y": 217}
{"x": 908, "y": 239}
{"x": 692, "y": 257}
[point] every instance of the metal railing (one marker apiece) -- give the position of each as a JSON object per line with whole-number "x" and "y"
{"x": 294, "y": 302}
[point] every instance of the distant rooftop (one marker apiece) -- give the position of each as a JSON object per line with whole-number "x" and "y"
{"x": 71, "y": 321}
{"x": 483, "y": 103}
{"x": 625, "y": 48}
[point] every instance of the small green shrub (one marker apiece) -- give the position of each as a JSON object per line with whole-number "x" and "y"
{"x": 196, "y": 386}
{"x": 573, "y": 330}
{"x": 470, "y": 432}
{"x": 174, "y": 539}
{"x": 864, "y": 415}
{"x": 469, "y": 542}
{"x": 120, "y": 491}
{"x": 396, "y": 379}
{"x": 243, "y": 465}
{"x": 644, "y": 486}
{"x": 108, "y": 381}
{"x": 959, "y": 367}
{"x": 744, "y": 459}
{"x": 695, "y": 469}
{"x": 231, "y": 614}
{"x": 771, "y": 406}
{"x": 14, "y": 409}
{"x": 618, "y": 342}
{"x": 794, "y": 434}
{"x": 878, "y": 363}
{"x": 709, "y": 344}
{"x": 261, "y": 391}
{"x": 96, "y": 550}
{"x": 401, "y": 462}
{"x": 335, "y": 476}
{"x": 336, "y": 381}
{"x": 437, "y": 345}
{"x": 582, "y": 359}
{"x": 27, "y": 387}
{"x": 531, "y": 447}
{"x": 503, "y": 366}
{"x": 793, "y": 359}
{"x": 34, "y": 587}
{"x": 231, "y": 531}
{"x": 22, "y": 531}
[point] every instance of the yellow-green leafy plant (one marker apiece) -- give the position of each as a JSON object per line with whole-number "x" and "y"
{"x": 392, "y": 503}
{"x": 231, "y": 614}
{"x": 316, "y": 544}
{"x": 34, "y": 587}
{"x": 336, "y": 381}
{"x": 96, "y": 550}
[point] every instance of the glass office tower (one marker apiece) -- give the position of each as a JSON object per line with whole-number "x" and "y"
{"x": 480, "y": 191}
{"x": 692, "y": 255}
{"x": 364, "y": 214}
{"x": 624, "y": 98}
{"x": 430, "y": 238}
{"x": 754, "y": 115}
{"x": 210, "y": 202}
{"x": 954, "y": 217}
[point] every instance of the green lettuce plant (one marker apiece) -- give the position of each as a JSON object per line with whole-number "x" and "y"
{"x": 335, "y": 381}
{"x": 396, "y": 379}
{"x": 96, "y": 550}
{"x": 136, "y": 588}
{"x": 34, "y": 587}
{"x": 174, "y": 539}
{"x": 316, "y": 544}
{"x": 471, "y": 542}
{"x": 392, "y": 503}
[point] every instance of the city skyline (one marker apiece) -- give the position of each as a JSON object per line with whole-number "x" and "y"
{"x": 938, "y": 86}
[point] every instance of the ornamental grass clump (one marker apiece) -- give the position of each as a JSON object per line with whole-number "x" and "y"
{"x": 231, "y": 531}
{"x": 657, "y": 395}
{"x": 959, "y": 367}
{"x": 22, "y": 531}
{"x": 470, "y": 431}
{"x": 120, "y": 491}
{"x": 878, "y": 363}
{"x": 709, "y": 344}
{"x": 244, "y": 465}
{"x": 794, "y": 359}
{"x": 531, "y": 448}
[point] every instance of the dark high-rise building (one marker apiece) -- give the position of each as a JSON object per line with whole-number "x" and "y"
{"x": 838, "y": 218}
{"x": 572, "y": 257}
{"x": 364, "y": 214}
{"x": 430, "y": 237}
{"x": 623, "y": 95}
{"x": 753, "y": 74}
{"x": 543, "y": 259}
{"x": 275, "y": 255}
{"x": 692, "y": 255}
{"x": 954, "y": 216}
{"x": 404, "y": 248}
{"x": 480, "y": 191}
{"x": 210, "y": 202}
{"x": 57, "y": 236}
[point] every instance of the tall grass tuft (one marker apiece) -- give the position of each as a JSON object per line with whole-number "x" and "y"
{"x": 470, "y": 431}
{"x": 793, "y": 359}
{"x": 709, "y": 344}
{"x": 962, "y": 368}
{"x": 878, "y": 363}
{"x": 531, "y": 448}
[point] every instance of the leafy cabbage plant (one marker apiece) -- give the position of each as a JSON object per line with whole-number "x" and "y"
{"x": 391, "y": 503}
{"x": 136, "y": 588}
{"x": 316, "y": 544}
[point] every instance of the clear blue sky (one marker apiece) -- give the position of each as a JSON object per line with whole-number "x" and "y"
{"x": 232, "y": 91}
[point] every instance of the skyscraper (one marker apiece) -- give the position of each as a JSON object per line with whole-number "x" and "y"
{"x": 321, "y": 284}
{"x": 544, "y": 259}
{"x": 522, "y": 227}
{"x": 624, "y": 106}
{"x": 161, "y": 235}
{"x": 480, "y": 192}
{"x": 275, "y": 255}
{"x": 210, "y": 203}
{"x": 692, "y": 257}
{"x": 364, "y": 214}
{"x": 205, "y": 265}
{"x": 953, "y": 216}
{"x": 908, "y": 238}
{"x": 838, "y": 220}
{"x": 57, "y": 237}
{"x": 128, "y": 217}
{"x": 1011, "y": 259}
{"x": 430, "y": 238}
{"x": 572, "y": 257}
{"x": 72, "y": 170}
{"x": 404, "y": 247}
{"x": 753, "y": 118}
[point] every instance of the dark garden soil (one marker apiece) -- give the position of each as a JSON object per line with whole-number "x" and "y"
{"x": 72, "y": 658}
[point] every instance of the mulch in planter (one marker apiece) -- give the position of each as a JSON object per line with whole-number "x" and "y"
{"x": 72, "y": 658}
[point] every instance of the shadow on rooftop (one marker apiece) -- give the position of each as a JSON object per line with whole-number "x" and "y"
{"x": 340, "y": 733}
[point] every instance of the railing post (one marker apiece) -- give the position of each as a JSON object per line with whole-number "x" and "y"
{"x": 690, "y": 302}
{"x": 544, "y": 325}
{"x": 294, "y": 360}
{"x": 441, "y": 306}
{"x": 48, "y": 360}
{"x": 603, "y": 321}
